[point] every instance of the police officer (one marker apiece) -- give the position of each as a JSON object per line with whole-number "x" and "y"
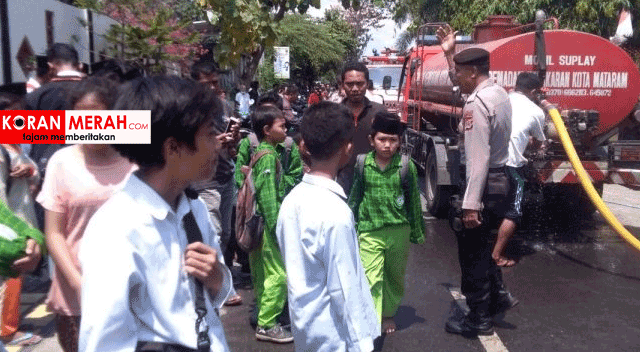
{"x": 486, "y": 125}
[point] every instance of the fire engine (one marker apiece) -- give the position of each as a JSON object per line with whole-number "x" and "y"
{"x": 594, "y": 83}
{"x": 384, "y": 72}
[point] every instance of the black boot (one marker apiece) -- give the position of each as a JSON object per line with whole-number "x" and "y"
{"x": 471, "y": 325}
{"x": 502, "y": 302}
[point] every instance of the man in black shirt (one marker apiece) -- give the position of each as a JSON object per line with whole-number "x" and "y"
{"x": 354, "y": 81}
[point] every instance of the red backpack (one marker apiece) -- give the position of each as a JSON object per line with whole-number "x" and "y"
{"x": 249, "y": 223}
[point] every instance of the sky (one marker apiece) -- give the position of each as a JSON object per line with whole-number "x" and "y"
{"x": 381, "y": 38}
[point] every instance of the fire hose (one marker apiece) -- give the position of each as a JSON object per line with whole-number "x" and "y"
{"x": 584, "y": 177}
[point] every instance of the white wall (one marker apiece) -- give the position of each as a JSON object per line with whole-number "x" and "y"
{"x": 27, "y": 18}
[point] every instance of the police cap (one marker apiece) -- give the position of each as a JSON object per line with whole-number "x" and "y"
{"x": 472, "y": 57}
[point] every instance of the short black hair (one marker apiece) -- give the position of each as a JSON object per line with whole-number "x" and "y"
{"x": 105, "y": 90}
{"x": 179, "y": 109}
{"x": 528, "y": 81}
{"x": 61, "y": 53}
{"x": 325, "y": 128}
{"x": 291, "y": 89}
{"x": 116, "y": 70}
{"x": 204, "y": 67}
{"x": 264, "y": 115}
{"x": 483, "y": 69}
{"x": 355, "y": 66}
{"x": 8, "y": 99}
{"x": 272, "y": 98}
{"x": 387, "y": 122}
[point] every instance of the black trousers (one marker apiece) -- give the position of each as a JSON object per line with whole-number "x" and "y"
{"x": 481, "y": 281}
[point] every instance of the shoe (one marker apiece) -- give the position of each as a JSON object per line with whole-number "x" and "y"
{"x": 504, "y": 302}
{"x": 466, "y": 327}
{"x": 275, "y": 334}
{"x": 25, "y": 339}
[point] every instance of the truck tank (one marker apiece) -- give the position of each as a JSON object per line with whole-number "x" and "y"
{"x": 585, "y": 73}
{"x": 594, "y": 83}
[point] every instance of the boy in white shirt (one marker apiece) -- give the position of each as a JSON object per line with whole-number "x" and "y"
{"x": 330, "y": 302}
{"x": 153, "y": 272}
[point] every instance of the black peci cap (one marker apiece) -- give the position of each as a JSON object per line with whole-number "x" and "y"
{"x": 472, "y": 57}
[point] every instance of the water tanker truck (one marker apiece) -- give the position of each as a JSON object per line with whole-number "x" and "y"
{"x": 593, "y": 83}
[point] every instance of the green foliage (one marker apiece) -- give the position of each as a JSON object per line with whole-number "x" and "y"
{"x": 247, "y": 27}
{"x": 265, "y": 74}
{"x": 594, "y": 16}
{"x": 318, "y": 49}
{"x": 148, "y": 33}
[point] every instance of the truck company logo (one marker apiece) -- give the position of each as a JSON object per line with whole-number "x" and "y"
{"x": 76, "y": 127}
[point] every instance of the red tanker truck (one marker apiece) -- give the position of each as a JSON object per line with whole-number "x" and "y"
{"x": 594, "y": 83}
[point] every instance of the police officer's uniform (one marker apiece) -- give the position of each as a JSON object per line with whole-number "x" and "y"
{"x": 486, "y": 124}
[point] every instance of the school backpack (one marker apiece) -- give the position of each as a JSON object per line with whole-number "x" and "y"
{"x": 249, "y": 223}
{"x": 404, "y": 173}
{"x": 288, "y": 145}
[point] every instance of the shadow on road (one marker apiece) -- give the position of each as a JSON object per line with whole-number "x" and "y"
{"x": 406, "y": 316}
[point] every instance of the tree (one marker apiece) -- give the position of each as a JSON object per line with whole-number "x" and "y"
{"x": 318, "y": 48}
{"x": 363, "y": 19}
{"x": 247, "y": 28}
{"x": 593, "y": 16}
{"x": 148, "y": 33}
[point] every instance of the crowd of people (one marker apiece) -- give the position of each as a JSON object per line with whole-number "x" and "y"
{"x": 142, "y": 237}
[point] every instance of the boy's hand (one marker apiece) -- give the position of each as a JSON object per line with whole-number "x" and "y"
{"x": 235, "y": 131}
{"x": 23, "y": 170}
{"x": 201, "y": 262}
{"x": 471, "y": 218}
{"x": 30, "y": 261}
{"x": 226, "y": 139}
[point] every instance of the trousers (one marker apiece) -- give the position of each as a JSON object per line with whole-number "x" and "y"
{"x": 384, "y": 255}
{"x": 269, "y": 280}
{"x": 481, "y": 279}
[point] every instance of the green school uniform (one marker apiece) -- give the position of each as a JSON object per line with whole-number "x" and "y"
{"x": 267, "y": 268}
{"x": 386, "y": 223}
{"x": 290, "y": 177}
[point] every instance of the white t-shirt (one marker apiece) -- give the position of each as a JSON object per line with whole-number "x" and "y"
{"x": 527, "y": 121}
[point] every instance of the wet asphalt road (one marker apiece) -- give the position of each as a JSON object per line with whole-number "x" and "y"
{"x": 578, "y": 284}
{"x": 577, "y": 281}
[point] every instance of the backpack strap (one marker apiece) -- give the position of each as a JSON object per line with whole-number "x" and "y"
{"x": 288, "y": 145}
{"x": 7, "y": 162}
{"x": 262, "y": 153}
{"x": 360, "y": 164}
{"x": 253, "y": 142}
{"x": 404, "y": 176}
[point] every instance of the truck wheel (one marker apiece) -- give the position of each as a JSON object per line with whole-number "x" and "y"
{"x": 437, "y": 196}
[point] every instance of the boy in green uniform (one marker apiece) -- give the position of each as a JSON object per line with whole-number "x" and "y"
{"x": 385, "y": 200}
{"x": 267, "y": 268}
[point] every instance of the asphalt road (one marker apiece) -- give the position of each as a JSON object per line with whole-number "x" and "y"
{"x": 578, "y": 284}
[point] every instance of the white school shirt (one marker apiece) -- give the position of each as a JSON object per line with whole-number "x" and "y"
{"x": 330, "y": 300}
{"x": 135, "y": 287}
{"x": 527, "y": 120}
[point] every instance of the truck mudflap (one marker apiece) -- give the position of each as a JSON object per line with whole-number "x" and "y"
{"x": 558, "y": 171}
{"x": 625, "y": 177}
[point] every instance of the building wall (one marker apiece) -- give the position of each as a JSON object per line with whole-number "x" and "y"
{"x": 27, "y": 19}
